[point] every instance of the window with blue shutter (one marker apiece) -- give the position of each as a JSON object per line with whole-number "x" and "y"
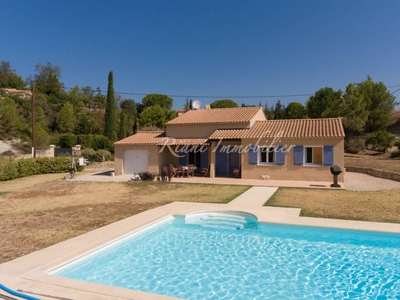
{"x": 298, "y": 155}
{"x": 328, "y": 155}
{"x": 280, "y": 155}
{"x": 253, "y": 153}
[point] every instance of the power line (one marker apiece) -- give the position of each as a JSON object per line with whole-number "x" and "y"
{"x": 220, "y": 96}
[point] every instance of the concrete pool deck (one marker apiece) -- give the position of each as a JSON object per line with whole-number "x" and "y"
{"x": 28, "y": 273}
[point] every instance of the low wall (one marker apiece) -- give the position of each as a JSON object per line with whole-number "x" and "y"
{"x": 375, "y": 172}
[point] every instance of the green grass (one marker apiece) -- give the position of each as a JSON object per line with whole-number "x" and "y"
{"x": 375, "y": 206}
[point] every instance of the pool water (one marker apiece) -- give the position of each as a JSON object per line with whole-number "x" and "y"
{"x": 270, "y": 261}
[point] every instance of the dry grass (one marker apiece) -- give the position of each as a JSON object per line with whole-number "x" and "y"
{"x": 381, "y": 162}
{"x": 379, "y": 206}
{"x": 38, "y": 211}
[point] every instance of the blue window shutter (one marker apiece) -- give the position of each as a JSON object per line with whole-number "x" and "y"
{"x": 204, "y": 158}
{"x": 298, "y": 155}
{"x": 280, "y": 155}
{"x": 253, "y": 152}
{"x": 182, "y": 158}
{"x": 328, "y": 155}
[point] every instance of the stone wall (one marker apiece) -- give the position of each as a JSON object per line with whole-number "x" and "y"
{"x": 375, "y": 172}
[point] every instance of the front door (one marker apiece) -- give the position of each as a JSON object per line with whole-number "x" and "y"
{"x": 226, "y": 160}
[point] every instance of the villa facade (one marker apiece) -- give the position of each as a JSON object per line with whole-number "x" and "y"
{"x": 229, "y": 139}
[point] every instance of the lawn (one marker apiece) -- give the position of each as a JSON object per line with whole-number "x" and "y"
{"x": 377, "y": 206}
{"x": 380, "y": 162}
{"x": 39, "y": 211}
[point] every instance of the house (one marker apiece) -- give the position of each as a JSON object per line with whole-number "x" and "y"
{"x": 226, "y": 139}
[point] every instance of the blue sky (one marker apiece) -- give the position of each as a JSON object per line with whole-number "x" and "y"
{"x": 207, "y": 48}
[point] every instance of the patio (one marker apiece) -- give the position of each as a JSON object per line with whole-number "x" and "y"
{"x": 106, "y": 177}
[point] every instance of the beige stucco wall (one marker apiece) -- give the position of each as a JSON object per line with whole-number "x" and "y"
{"x": 289, "y": 171}
{"x": 259, "y": 116}
{"x": 200, "y": 131}
{"x": 153, "y": 157}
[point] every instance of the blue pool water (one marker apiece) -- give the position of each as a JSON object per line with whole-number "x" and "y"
{"x": 246, "y": 260}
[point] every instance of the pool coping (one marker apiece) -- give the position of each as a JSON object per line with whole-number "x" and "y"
{"x": 28, "y": 273}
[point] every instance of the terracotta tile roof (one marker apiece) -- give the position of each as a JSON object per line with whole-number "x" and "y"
{"x": 216, "y": 116}
{"x": 176, "y": 142}
{"x": 143, "y": 138}
{"x": 158, "y": 138}
{"x": 297, "y": 128}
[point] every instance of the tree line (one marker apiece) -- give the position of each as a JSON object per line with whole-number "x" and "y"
{"x": 364, "y": 107}
{"x": 78, "y": 111}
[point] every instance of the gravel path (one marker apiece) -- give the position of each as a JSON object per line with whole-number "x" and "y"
{"x": 362, "y": 182}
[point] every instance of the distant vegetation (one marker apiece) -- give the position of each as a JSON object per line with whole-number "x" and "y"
{"x": 365, "y": 109}
{"x": 85, "y": 113}
{"x": 76, "y": 114}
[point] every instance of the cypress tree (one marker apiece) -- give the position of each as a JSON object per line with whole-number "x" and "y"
{"x": 122, "y": 128}
{"x": 110, "y": 113}
{"x": 135, "y": 125}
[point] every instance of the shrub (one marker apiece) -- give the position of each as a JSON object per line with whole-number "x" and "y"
{"x": 95, "y": 141}
{"x": 8, "y": 171}
{"x": 101, "y": 142}
{"x": 35, "y": 166}
{"x": 395, "y": 154}
{"x": 380, "y": 140}
{"x": 67, "y": 140}
{"x": 88, "y": 154}
{"x": 102, "y": 153}
{"x": 354, "y": 145}
{"x": 147, "y": 176}
{"x": 397, "y": 144}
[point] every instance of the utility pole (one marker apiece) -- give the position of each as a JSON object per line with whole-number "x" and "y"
{"x": 33, "y": 121}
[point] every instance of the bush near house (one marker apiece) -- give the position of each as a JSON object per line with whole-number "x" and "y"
{"x": 380, "y": 140}
{"x": 35, "y": 166}
{"x": 147, "y": 176}
{"x": 103, "y": 155}
{"x": 354, "y": 145}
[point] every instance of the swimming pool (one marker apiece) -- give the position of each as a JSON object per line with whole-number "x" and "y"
{"x": 240, "y": 259}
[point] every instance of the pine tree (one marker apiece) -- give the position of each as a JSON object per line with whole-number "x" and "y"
{"x": 110, "y": 114}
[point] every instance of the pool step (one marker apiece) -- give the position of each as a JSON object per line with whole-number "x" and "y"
{"x": 230, "y": 220}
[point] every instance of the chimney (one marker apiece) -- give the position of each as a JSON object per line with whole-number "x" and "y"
{"x": 208, "y": 106}
{"x": 181, "y": 111}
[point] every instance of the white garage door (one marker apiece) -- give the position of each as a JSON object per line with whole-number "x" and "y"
{"x": 135, "y": 161}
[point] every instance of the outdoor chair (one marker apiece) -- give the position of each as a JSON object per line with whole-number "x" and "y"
{"x": 180, "y": 171}
{"x": 172, "y": 170}
{"x": 206, "y": 171}
{"x": 190, "y": 170}
{"x": 237, "y": 173}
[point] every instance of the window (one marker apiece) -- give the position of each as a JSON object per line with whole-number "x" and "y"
{"x": 266, "y": 155}
{"x": 313, "y": 155}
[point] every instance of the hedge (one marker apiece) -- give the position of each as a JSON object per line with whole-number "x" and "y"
{"x": 35, "y": 166}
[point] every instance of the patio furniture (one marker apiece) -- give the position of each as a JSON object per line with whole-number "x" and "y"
{"x": 190, "y": 170}
{"x": 180, "y": 171}
{"x": 237, "y": 173}
{"x": 206, "y": 171}
{"x": 172, "y": 170}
